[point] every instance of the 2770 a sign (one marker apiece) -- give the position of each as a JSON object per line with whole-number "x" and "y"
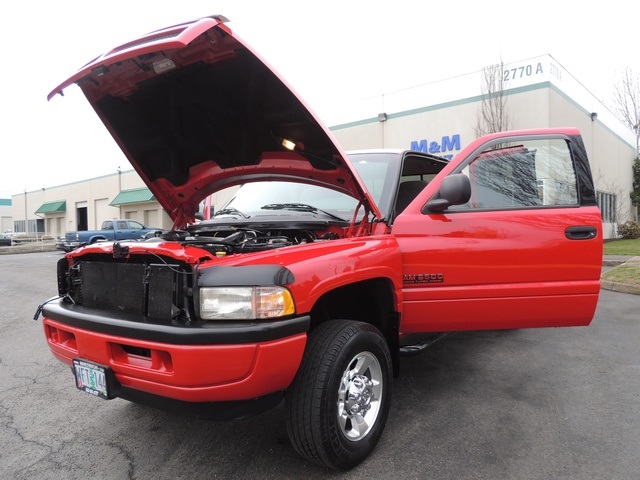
{"x": 522, "y": 72}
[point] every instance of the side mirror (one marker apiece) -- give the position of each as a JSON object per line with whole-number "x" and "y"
{"x": 454, "y": 190}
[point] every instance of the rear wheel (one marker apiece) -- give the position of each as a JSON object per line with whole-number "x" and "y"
{"x": 337, "y": 406}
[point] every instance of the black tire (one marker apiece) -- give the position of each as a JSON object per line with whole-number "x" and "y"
{"x": 341, "y": 355}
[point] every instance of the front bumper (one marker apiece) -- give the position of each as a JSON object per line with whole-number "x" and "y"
{"x": 213, "y": 363}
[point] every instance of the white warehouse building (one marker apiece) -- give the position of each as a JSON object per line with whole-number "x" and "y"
{"x": 442, "y": 117}
{"x": 439, "y": 117}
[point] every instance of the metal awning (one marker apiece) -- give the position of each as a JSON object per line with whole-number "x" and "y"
{"x": 53, "y": 207}
{"x": 136, "y": 195}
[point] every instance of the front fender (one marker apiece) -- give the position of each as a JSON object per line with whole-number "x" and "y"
{"x": 321, "y": 267}
{"x": 316, "y": 268}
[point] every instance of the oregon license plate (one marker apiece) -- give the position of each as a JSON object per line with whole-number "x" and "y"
{"x": 91, "y": 378}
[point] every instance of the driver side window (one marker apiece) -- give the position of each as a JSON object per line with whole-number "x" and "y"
{"x": 530, "y": 174}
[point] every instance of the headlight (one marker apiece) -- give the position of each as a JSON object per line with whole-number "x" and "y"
{"x": 245, "y": 303}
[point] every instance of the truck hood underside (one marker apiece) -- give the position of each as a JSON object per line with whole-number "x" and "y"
{"x": 195, "y": 110}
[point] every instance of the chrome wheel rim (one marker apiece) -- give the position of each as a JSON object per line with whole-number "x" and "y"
{"x": 359, "y": 396}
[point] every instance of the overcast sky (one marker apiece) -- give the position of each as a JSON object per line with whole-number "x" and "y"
{"x": 330, "y": 51}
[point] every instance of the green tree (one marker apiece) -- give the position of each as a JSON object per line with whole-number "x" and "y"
{"x": 635, "y": 193}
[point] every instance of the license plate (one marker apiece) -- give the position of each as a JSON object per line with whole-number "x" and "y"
{"x": 91, "y": 378}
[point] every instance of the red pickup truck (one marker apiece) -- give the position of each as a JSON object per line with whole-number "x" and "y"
{"x": 325, "y": 267}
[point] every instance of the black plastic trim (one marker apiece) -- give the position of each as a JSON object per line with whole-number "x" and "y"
{"x": 201, "y": 333}
{"x": 581, "y": 232}
{"x": 249, "y": 275}
{"x": 586, "y": 188}
{"x": 229, "y": 410}
{"x": 62, "y": 267}
{"x": 232, "y": 410}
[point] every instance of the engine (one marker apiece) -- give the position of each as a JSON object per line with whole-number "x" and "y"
{"x": 245, "y": 240}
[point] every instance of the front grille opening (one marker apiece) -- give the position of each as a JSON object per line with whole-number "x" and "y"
{"x": 155, "y": 290}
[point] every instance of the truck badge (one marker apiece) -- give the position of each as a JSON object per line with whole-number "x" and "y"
{"x": 423, "y": 278}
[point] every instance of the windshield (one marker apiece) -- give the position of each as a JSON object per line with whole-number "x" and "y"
{"x": 377, "y": 170}
{"x": 264, "y": 197}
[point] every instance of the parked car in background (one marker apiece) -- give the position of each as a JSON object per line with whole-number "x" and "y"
{"x": 5, "y": 240}
{"x": 116, "y": 229}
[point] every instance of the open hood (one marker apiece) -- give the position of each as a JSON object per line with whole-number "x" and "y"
{"x": 195, "y": 110}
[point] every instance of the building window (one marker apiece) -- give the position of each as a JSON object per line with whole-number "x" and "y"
{"x": 607, "y": 205}
{"x": 36, "y": 225}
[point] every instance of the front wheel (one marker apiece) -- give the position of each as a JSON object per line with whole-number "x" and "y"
{"x": 338, "y": 404}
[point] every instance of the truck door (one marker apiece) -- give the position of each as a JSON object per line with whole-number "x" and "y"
{"x": 524, "y": 251}
{"x": 128, "y": 229}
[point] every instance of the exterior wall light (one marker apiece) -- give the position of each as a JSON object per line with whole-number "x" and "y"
{"x": 594, "y": 115}
{"x": 382, "y": 117}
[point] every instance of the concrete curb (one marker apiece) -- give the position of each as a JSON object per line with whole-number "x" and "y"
{"x": 611, "y": 263}
{"x": 29, "y": 248}
{"x": 619, "y": 287}
{"x": 606, "y": 284}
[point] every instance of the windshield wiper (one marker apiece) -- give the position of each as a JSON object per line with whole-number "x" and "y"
{"x": 230, "y": 211}
{"x": 299, "y": 207}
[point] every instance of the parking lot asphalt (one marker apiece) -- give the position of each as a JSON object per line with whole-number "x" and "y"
{"x": 559, "y": 403}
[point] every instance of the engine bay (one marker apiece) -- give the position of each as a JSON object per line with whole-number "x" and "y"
{"x": 226, "y": 240}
